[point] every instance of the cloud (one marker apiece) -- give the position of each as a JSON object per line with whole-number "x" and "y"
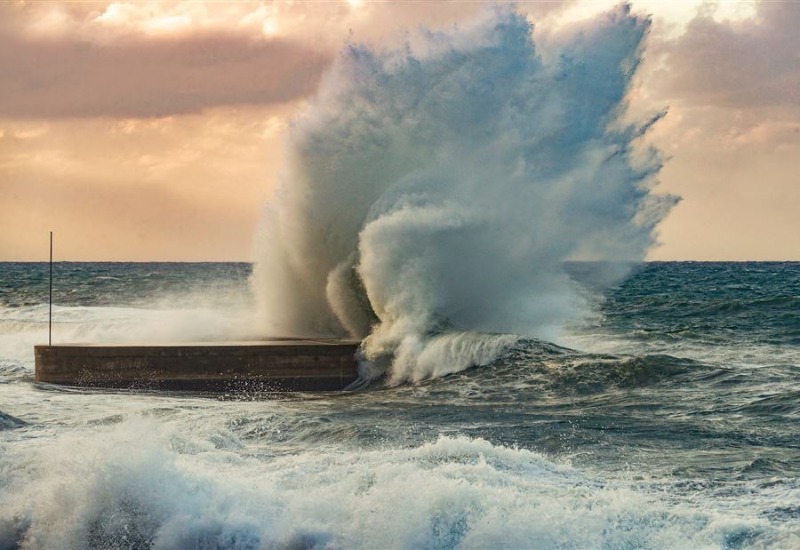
{"x": 153, "y": 59}
{"x": 138, "y": 76}
{"x": 731, "y": 135}
{"x": 748, "y": 63}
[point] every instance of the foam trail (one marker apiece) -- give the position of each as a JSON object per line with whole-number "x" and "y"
{"x": 435, "y": 191}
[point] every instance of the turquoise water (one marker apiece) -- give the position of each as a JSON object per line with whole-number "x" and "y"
{"x": 666, "y": 417}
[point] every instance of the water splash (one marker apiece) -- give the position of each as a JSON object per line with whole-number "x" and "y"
{"x": 434, "y": 192}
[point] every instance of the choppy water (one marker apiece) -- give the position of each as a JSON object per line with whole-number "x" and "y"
{"x": 668, "y": 419}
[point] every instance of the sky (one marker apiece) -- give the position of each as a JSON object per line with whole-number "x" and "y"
{"x": 151, "y": 131}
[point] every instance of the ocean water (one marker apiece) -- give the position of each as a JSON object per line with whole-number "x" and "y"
{"x": 667, "y": 417}
{"x": 433, "y": 201}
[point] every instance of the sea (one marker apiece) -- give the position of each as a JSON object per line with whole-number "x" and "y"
{"x": 668, "y": 416}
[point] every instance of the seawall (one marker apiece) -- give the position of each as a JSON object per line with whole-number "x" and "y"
{"x": 272, "y": 365}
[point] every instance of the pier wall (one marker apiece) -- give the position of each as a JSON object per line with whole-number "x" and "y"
{"x": 281, "y": 365}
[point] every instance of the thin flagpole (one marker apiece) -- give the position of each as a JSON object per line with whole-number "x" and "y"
{"x": 50, "y": 314}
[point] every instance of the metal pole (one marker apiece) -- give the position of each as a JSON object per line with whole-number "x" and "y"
{"x": 50, "y": 319}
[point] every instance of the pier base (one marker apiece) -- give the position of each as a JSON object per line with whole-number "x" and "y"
{"x": 269, "y": 366}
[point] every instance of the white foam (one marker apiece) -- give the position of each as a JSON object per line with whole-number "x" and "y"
{"x": 145, "y": 480}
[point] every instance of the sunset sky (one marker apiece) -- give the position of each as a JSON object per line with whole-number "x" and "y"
{"x": 152, "y": 130}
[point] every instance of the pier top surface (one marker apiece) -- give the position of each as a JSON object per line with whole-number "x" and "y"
{"x": 231, "y": 343}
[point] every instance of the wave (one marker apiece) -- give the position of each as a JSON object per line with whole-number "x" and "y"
{"x": 8, "y": 422}
{"x": 438, "y": 189}
{"x": 535, "y": 368}
{"x": 139, "y": 483}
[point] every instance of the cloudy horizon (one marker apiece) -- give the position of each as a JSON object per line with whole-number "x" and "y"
{"x": 152, "y": 131}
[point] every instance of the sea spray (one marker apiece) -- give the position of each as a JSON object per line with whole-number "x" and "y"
{"x": 433, "y": 193}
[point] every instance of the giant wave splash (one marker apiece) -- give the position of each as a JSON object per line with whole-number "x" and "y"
{"x": 431, "y": 195}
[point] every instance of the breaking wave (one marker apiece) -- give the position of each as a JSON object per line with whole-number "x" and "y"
{"x": 431, "y": 194}
{"x": 137, "y": 483}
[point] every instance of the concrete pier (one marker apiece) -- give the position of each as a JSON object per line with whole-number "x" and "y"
{"x": 268, "y": 366}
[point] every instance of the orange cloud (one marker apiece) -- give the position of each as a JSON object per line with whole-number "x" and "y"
{"x": 60, "y": 76}
{"x": 745, "y": 64}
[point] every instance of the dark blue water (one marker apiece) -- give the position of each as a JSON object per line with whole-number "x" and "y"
{"x": 667, "y": 418}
